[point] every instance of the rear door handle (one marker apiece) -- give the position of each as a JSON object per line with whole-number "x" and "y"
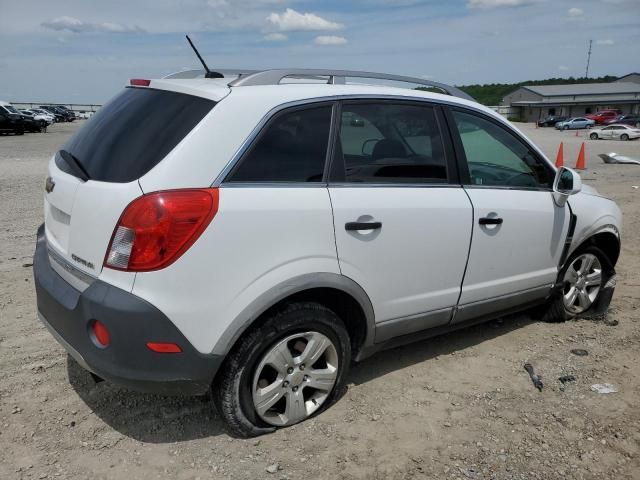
{"x": 350, "y": 226}
{"x": 490, "y": 221}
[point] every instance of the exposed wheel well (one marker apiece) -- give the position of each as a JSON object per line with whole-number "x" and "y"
{"x": 341, "y": 303}
{"x": 607, "y": 242}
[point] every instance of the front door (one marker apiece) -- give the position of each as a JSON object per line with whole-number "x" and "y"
{"x": 518, "y": 230}
{"x": 402, "y": 228}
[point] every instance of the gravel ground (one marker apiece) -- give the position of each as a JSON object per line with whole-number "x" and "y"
{"x": 459, "y": 406}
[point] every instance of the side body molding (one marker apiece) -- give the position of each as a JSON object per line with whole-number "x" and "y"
{"x": 298, "y": 284}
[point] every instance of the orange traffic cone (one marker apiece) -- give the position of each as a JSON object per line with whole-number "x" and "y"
{"x": 560, "y": 156}
{"x": 580, "y": 163}
{"x": 577, "y": 133}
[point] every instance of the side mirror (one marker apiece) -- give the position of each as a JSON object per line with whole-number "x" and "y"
{"x": 567, "y": 182}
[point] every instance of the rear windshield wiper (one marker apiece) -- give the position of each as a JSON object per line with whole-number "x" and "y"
{"x": 74, "y": 164}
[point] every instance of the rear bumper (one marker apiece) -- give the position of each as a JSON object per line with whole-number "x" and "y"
{"x": 131, "y": 322}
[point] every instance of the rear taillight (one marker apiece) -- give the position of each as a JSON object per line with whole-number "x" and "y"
{"x": 156, "y": 229}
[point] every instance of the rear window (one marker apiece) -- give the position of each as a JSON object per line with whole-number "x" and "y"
{"x": 133, "y": 132}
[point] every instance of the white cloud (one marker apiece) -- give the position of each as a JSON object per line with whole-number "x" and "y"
{"x": 575, "y": 12}
{"x": 563, "y": 68}
{"x": 605, "y": 41}
{"x": 326, "y": 40}
{"x": 291, "y": 20}
{"x": 76, "y": 25}
{"x": 496, "y": 3}
{"x": 276, "y": 37}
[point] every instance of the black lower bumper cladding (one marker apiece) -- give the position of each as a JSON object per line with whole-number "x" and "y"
{"x": 131, "y": 322}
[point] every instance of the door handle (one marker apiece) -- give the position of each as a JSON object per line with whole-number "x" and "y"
{"x": 490, "y": 221}
{"x": 350, "y": 226}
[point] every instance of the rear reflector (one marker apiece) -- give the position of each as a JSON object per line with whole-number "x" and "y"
{"x": 160, "y": 347}
{"x": 156, "y": 229}
{"x": 140, "y": 82}
{"x": 100, "y": 333}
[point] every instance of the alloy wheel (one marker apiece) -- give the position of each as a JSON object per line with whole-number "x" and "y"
{"x": 582, "y": 283}
{"x": 294, "y": 378}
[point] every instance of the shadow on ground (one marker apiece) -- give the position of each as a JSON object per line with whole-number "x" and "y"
{"x": 388, "y": 361}
{"x": 143, "y": 416}
{"x": 164, "y": 419}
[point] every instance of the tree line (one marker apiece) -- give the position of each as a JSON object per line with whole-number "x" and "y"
{"x": 493, "y": 93}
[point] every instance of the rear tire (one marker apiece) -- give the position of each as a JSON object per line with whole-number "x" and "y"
{"x": 579, "y": 293}
{"x": 593, "y": 136}
{"x": 624, "y": 137}
{"x": 267, "y": 367}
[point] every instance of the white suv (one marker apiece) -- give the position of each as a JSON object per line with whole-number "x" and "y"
{"x": 256, "y": 236}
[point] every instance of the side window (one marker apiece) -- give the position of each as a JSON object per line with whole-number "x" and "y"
{"x": 496, "y": 157}
{"x": 390, "y": 143}
{"x": 293, "y": 148}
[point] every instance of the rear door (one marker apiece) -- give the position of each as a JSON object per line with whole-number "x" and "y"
{"x": 518, "y": 230}
{"x": 607, "y": 132}
{"x": 95, "y": 175}
{"x": 402, "y": 222}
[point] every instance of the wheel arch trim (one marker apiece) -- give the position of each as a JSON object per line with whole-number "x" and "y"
{"x": 590, "y": 235}
{"x": 252, "y": 312}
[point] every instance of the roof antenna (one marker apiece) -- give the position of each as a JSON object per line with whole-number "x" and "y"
{"x": 208, "y": 73}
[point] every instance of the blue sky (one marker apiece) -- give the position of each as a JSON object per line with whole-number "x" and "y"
{"x": 76, "y": 51}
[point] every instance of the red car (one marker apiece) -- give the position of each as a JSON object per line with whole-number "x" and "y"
{"x": 601, "y": 117}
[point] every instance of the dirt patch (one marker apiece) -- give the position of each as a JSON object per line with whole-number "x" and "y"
{"x": 459, "y": 406}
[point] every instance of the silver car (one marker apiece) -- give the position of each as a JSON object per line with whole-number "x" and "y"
{"x": 575, "y": 123}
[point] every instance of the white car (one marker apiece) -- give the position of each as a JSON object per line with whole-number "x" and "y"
{"x": 43, "y": 113}
{"x": 48, "y": 119}
{"x": 254, "y": 237}
{"x": 622, "y": 132}
{"x": 84, "y": 114}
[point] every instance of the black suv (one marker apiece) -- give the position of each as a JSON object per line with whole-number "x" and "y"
{"x": 69, "y": 114}
{"x": 10, "y": 120}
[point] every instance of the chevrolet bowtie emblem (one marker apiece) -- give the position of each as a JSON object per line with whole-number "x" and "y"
{"x": 49, "y": 185}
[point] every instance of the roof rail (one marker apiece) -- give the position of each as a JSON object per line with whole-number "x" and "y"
{"x": 274, "y": 77}
{"x": 201, "y": 73}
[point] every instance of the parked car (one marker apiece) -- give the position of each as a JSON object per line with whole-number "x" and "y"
{"x": 44, "y": 112}
{"x": 59, "y": 114}
{"x": 46, "y": 120}
{"x": 31, "y": 124}
{"x": 84, "y": 114}
{"x": 631, "y": 120}
{"x": 257, "y": 246}
{"x": 601, "y": 117}
{"x": 551, "y": 120}
{"x": 575, "y": 123}
{"x": 10, "y": 119}
{"x": 41, "y": 115}
{"x": 69, "y": 114}
{"x": 622, "y": 132}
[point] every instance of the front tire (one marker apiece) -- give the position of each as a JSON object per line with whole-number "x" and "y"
{"x": 284, "y": 371}
{"x": 566, "y": 127}
{"x": 593, "y": 136}
{"x": 582, "y": 281}
{"x": 624, "y": 137}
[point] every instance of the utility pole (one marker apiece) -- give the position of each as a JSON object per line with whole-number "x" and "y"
{"x": 586, "y": 73}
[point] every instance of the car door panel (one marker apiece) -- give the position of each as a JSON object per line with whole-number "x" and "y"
{"x": 518, "y": 230}
{"x": 391, "y": 175}
{"x": 519, "y": 254}
{"x": 412, "y": 264}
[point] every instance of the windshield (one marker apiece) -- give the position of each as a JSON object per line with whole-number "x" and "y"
{"x": 133, "y": 132}
{"x": 11, "y": 109}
